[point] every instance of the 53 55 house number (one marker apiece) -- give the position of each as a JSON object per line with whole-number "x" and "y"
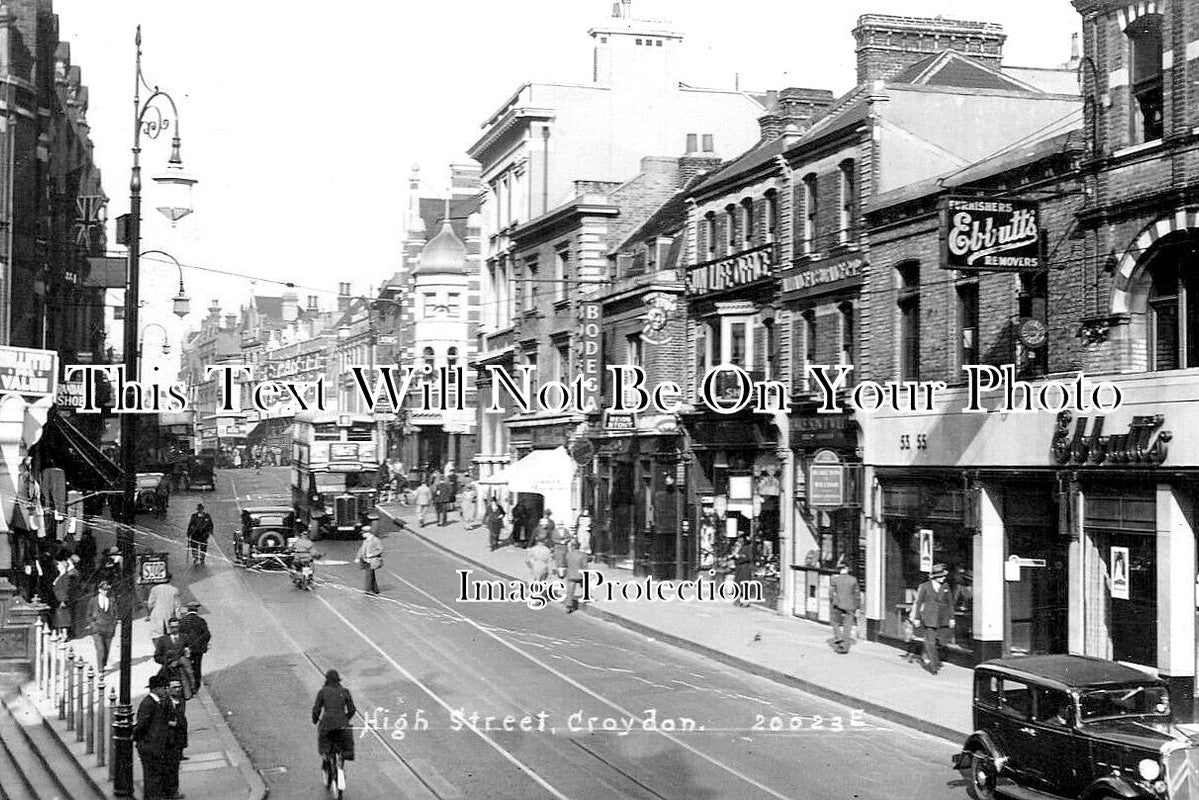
{"x": 907, "y": 441}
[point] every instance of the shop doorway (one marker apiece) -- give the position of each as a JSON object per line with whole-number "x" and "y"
{"x": 1038, "y": 605}
{"x": 1133, "y": 620}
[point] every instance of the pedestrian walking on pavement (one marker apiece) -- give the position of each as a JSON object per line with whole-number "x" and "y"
{"x": 538, "y": 561}
{"x": 576, "y": 561}
{"x": 845, "y": 597}
{"x": 583, "y": 530}
{"x": 163, "y": 606}
{"x": 423, "y": 498}
{"x": 443, "y": 499}
{"x": 370, "y": 557}
{"x": 199, "y": 528}
{"x": 102, "y": 622}
{"x": 172, "y": 652}
{"x": 557, "y": 538}
{"x": 154, "y": 734}
{"x": 86, "y": 550}
{"x": 67, "y": 590}
{"x": 743, "y": 568}
{"x": 932, "y": 612}
{"x": 494, "y": 520}
{"x": 521, "y": 535}
{"x": 178, "y": 741}
{"x": 470, "y": 511}
{"x": 194, "y": 629}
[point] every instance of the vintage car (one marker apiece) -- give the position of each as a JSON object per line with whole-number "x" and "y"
{"x": 153, "y": 492}
{"x": 198, "y": 473}
{"x": 263, "y": 536}
{"x": 1078, "y": 727}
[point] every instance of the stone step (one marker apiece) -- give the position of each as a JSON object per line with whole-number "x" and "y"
{"x": 12, "y": 781}
{"x": 49, "y": 768}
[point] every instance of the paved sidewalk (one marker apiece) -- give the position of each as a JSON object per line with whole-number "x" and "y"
{"x": 798, "y": 652}
{"x": 217, "y": 767}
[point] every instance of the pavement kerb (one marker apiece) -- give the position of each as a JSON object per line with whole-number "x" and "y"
{"x": 820, "y": 690}
{"x": 257, "y": 789}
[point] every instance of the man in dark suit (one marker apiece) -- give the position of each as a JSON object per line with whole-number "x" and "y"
{"x": 173, "y": 653}
{"x": 154, "y": 734}
{"x": 844, "y": 596}
{"x": 178, "y": 741}
{"x": 194, "y": 630}
{"x": 933, "y": 610}
{"x": 199, "y": 528}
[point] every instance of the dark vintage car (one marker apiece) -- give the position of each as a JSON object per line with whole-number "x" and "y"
{"x": 153, "y": 492}
{"x": 198, "y": 473}
{"x": 263, "y": 536}
{"x": 1078, "y": 727}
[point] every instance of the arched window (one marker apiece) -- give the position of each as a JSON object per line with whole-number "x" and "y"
{"x": 710, "y": 233}
{"x": 1145, "y": 77}
{"x": 1173, "y": 307}
{"x": 848, "y": 209}
{"x": 427, "y": 357}
{"x": 730, "y": 219}
{"x": 451, "y": 356}
{"x": 770, "y": 224}
{"x": 747, "y": 221}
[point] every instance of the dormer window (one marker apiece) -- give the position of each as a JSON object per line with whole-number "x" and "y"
{"x": 1145, "y": 77}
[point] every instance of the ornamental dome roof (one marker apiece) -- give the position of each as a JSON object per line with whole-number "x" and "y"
{"x": 445, "y": 254}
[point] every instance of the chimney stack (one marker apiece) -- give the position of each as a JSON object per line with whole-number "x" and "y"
{"x": 313, "y": 305}
{"x": 343, "y": 298}
{"x": 886, "y": 45}
{"x": 289, "y": 306}
{"x": 793, "y": 107}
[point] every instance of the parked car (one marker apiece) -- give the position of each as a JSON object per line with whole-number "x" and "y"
{"x": 198, "y": 473}
{"x": 153, "y": 492}
{"x": 1078, "y": 727}
{"x": 263, "y": 537}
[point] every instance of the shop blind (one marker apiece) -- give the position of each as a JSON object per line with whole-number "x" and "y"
{"x": 1124, "y": 513}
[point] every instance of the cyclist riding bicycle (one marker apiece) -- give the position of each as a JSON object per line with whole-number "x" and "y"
{"x": 333, "y": 726}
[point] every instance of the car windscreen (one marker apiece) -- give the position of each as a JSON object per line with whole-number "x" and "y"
{"x": 1124, "y": 701}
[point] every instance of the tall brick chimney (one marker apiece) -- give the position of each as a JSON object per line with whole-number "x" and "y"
{"x": 886, "y": 45}
{"x": 793, "y": 106}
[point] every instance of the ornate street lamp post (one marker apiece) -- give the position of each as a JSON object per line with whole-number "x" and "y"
{"x": 175, "y": 204}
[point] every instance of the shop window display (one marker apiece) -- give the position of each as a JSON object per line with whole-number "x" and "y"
{"x": 951, "y": 546}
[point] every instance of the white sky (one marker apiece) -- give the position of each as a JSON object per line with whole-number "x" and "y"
{"x": 301, "y": 120}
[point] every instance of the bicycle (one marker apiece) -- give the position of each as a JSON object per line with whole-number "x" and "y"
{"x": 333, "y": 766}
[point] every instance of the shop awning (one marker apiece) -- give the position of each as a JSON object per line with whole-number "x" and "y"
{"x": 549, "y": 473}
{"x": 86, "y": 467}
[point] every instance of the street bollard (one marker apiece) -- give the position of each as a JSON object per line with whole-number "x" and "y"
{"x": 65, "y": 678}
{"x": 80, "y": 717}
{"x": 100, "y": 716}
{"x": 60, "y": 666}
{"x": 108, "y": 732}
{"x": 55, "y": 673}
{"x": 40, "y": 630}
{"x": 89, "y": 702}
{"x": 68, "y": 694}
{"x": 47, "y": 664}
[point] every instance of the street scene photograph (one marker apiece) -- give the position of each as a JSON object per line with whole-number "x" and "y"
{"x": 649, "y": 399}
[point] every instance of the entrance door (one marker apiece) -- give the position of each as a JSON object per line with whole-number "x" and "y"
{"x": 1037, "y": 604}
{"x": 1134, "y": 621}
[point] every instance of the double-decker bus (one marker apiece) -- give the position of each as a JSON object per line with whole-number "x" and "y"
{"x": 334, "y": 471}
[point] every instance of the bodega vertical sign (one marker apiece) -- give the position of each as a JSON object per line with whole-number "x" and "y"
{"x": 996, "y": 235}
{"x": 587, "y": 353}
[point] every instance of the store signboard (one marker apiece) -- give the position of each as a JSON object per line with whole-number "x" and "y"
{"x": 28, "y": 372}
{"x": 722, "y": 274}
{"x": 587, "y": 355}
{"x": 997, "y": 235}
{"x": 826, "y": 480}
{"x": 1118, "y": 565}
{"x": 926, "y": 550}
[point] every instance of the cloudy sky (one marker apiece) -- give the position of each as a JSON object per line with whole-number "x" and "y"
{"x": 301, "y": 120}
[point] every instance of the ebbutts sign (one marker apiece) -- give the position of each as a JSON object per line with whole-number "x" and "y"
{"x": 999, "y": 235}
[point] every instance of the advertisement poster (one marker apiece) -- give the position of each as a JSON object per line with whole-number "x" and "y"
{"x": 926, "y": 550}
{"x": 1118, "y": 566}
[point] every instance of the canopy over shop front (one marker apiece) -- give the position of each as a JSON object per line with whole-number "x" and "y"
{"x": 549, "y": 473}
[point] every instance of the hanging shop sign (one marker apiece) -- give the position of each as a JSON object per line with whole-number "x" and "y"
{"x": 999, "y": 235}
{"x": 1119, "y": 572}
{"x": 826, "y": 480}
{"x": 722, "y": 274}
{"x": 808, "y": 279}
{"x": 620, "y": 420}
{"x": 31, "y": 373}
{"x": 1144, "y": 443}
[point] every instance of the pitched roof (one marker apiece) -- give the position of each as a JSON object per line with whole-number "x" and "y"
{"x": 951, "y": 68}
{"x": 270, "y": 307}
{"x": 669, "y": 217}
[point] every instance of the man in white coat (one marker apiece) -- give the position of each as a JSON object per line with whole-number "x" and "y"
{"x": 163, "y": 604}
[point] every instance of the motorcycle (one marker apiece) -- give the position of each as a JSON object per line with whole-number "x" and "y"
{"x": 302, "y": 575}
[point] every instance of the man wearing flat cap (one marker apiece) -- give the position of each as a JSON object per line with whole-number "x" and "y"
{"x": 154, "y": 733}
{"x": 194, "y": 630}
{"x": 933, "y": 611}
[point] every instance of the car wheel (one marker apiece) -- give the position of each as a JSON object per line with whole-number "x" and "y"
{"x": 983, "y": 776}
{"x": 269, "y": 540}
